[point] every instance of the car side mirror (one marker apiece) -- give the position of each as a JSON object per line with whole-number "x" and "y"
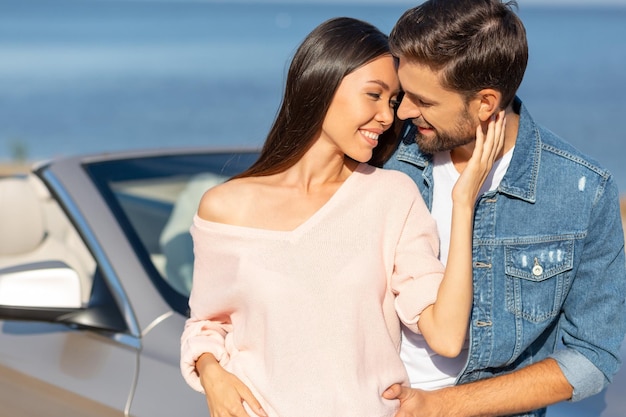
{"x": 42, "y": 285}
{"x": 50, "y": 292}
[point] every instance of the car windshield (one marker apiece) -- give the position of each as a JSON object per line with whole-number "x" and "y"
{"x": 154, "y": 200}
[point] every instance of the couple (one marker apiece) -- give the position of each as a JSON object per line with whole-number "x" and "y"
{"x": 313, "y": 268}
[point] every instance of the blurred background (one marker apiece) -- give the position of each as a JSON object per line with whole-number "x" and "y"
{"x": 85, "y": 76}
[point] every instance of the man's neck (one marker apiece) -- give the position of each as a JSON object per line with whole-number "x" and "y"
{"x": 462, "y": 154}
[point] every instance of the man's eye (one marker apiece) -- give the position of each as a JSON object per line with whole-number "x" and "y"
{"x": 422, "y": 103}
{"x": 395, "y": 102}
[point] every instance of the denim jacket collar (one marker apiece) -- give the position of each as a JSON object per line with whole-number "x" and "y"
{"x": 520, "y": 180}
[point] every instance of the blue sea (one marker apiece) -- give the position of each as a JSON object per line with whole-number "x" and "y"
{"x": 83, "y": 76}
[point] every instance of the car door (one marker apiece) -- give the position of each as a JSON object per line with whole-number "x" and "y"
{"x": 64, "y": 347}
{"x": 52, "y": 370}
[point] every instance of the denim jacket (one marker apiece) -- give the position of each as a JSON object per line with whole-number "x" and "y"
{"x": 548, "y": 261}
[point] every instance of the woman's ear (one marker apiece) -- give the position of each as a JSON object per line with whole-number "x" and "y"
{"x": 490, "y": 100}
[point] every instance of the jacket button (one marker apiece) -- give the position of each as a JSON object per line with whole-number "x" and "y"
{"x": 537, "y": 269}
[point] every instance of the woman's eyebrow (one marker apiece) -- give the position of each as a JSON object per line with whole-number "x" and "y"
{"x": 381, "y": 83}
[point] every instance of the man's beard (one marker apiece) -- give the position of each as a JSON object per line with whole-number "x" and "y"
{"x": 464, "y": 132}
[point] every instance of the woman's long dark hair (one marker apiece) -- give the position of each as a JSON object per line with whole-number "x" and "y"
{"x": 331, "y": 51}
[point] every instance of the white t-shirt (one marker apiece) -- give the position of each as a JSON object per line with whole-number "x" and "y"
{"x": 426, "y": 369}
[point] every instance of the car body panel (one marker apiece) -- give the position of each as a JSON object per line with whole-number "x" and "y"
{"x": 79, "y": 364}
{"x": 22, "y": 395}
{"x": 160, "y": 374}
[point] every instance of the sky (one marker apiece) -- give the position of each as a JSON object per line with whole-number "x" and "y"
{"x": 413, "y": 2}
{"x": 520, "y": 2}
{"x": 409, "y": 2}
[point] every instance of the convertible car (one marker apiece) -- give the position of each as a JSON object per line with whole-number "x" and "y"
{"x": 95, "y": 272}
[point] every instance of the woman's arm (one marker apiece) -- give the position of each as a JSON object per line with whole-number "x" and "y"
{"x": 444, "y": 324}
{"x": 203, "y": 341}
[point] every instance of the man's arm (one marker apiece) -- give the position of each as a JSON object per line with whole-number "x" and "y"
{"x": 532, "y": 387}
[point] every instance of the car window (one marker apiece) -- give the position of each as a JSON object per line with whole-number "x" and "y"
{"x": 154, "y": 199}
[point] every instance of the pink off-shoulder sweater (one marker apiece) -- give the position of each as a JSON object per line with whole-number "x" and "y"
{"x": 308, "y": 318}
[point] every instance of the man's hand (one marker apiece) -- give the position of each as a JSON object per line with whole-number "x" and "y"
{"x": 535, "y": 386}
{"x": 415, "y": 402}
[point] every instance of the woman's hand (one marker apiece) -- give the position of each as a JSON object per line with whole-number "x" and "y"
{"x": 488, "y": 147}
{"x": 225, "y": 393}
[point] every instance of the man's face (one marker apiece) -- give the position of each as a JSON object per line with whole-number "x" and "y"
{"x": 443, "y": 119}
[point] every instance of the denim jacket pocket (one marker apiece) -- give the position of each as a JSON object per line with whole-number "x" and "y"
{"x": 537, "y": 277}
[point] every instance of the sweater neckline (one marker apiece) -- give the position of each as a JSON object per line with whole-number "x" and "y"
{"x": 298, "y": 230}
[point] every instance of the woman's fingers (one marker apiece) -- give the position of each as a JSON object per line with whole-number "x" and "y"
{"x": 490, "y": 144}
{"x": 226, "y": 394}
{"x": 487, "y": 148}
{"x": 251, "y": 400}
{"x": 499, "y": 133}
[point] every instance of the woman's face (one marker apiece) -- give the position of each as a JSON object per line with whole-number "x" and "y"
{"x": 362, "y": 109}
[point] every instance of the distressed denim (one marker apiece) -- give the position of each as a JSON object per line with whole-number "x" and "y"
{"x": 548, "y": 261}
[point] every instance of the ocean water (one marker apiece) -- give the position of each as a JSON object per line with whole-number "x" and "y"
{"x": 84, "y": 76}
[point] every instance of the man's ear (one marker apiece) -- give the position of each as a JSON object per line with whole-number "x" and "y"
{"x": 489, "y": 103}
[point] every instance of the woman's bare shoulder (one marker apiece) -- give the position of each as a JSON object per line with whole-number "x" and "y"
{"x": 225, "y": 203}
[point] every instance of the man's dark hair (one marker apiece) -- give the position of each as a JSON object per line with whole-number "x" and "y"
{"x": 476, "y": 44}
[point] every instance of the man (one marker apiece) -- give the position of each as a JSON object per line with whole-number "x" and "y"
{"x": 548, "y": 248}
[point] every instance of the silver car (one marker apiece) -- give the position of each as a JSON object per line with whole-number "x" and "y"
{"x": 95, "y": 271}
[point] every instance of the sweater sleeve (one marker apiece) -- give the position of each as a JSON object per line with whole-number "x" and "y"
{"x": 201, "y": 336}
{"x": 209, "y": 323}
{"x": 417, "y": 270}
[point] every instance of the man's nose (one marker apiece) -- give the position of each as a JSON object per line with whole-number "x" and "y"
{"x": 407, "y": 110}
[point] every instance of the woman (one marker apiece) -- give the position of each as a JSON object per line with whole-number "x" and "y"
{"x": 304, "y": 262}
